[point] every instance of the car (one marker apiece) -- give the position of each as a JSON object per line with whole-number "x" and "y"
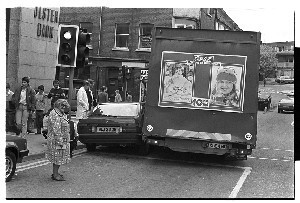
{"x": 113, "y": 124}
{"x": 16, "y": 149}
{"x": 284, "y": 80}
{"x": 264, "y": 100}
{"x": 286, "y": 104}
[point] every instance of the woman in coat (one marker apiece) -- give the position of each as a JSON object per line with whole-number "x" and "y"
{"x": 82, "y": 101}
{"x": 58, "y": 137}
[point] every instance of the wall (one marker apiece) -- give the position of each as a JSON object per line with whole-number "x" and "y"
{"x": 32, "y": 46}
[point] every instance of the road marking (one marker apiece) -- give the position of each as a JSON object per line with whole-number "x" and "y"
{"x": 274, "y": 159}
{"x": 30, "y": 167}
{"x": 240, "y": 183}
{"x": 30, "y": 164}
{"x": 262, "y": 158}
{"x": 44, "y": 162}
{"x": 292, "y": 123}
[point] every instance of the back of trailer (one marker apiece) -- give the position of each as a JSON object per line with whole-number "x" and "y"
{"x": 202, "y": 91}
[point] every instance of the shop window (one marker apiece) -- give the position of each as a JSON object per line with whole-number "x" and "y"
{"x": 121, "y": 35}
{"x": 145, "y": 36}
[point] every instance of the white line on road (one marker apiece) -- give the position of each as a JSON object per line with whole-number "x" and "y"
{"x": 240, "y": 183}
{"x": 34, "y": 163}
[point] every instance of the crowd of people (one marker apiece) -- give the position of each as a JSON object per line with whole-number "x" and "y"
{"x": 24, "y": 104}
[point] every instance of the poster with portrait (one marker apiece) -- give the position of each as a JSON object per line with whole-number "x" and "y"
{"x": 202, "y": 81}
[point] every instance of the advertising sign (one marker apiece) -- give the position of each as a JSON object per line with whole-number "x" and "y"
{"x": 202, "y": 81}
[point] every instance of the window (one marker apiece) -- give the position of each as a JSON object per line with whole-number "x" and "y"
{"x": 210, "y": 11}
{"x": 145, "y": 37}
{"x": 89, "y": 28}
{"x": 121, "y": 35}
{"x": 184, "y": 26}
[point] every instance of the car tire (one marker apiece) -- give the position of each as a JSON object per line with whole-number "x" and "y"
{"x": 11, "y": 164}
{"x": 90, "y": 147}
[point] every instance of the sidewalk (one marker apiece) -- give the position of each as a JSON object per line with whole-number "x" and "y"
{"x": 37, "y": 145}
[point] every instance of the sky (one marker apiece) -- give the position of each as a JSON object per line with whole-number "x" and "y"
{"x": 275, "y": 24}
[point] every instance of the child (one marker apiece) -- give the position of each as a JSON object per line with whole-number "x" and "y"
{"x": 225, "y": 92}
{"x": 40, "y": 108}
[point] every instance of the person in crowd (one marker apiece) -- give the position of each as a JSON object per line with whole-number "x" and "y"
{"x": 82, "y": 101}
{"x": 128, "y": 97}
{"x": 58, "y": 138}
{"x": 102, "y": 96}
{"x": 24, "y": 100}
{"x": 56, "y": 93}
{"x": 10, "y": 109}
{"x": 90, "y": 95}
{"x": 40, "y": 108}
{"x": 118, "y": 97}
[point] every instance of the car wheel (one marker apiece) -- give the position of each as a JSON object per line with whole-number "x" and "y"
{"x": 11, "y": 164}
{"x": 90, "y": 147}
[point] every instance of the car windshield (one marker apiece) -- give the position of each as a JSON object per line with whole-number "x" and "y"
{"x": 117, "y": 109}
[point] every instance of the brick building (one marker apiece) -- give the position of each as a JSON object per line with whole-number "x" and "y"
{"x": 122, "y": 37}
{"x": 285, "y": 56}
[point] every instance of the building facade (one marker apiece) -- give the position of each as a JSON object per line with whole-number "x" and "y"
{"x": 285, "y": 56}
{"x": 31, "y": 45}
{"x": 121, "y": 37}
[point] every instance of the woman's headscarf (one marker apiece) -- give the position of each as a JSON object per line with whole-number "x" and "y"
{"x": 61, "y": 104}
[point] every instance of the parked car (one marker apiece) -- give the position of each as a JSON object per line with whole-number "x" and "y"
{"x": 112, "y": 124}
{"x": 284, "y": 80}
{"x": 264, "y": 100}
{"x": 286, "y": 104}
{"x": 16, "y": 149}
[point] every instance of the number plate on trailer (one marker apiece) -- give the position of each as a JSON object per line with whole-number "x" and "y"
{"x": 108, "y": 129}
{"x": 217, "y": 146}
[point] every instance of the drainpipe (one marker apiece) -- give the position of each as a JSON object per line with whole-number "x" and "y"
{"x": 200, "y": 18}
{"x": 100, "y": 27}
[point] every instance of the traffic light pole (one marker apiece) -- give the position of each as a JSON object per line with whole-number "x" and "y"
{"x": 71, "y": 77}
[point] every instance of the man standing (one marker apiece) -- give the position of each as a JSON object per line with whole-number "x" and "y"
{"x": 24, "y": 100}
{"x": 102, "y": 96}
{"x": 40, "y": 108}
{"x": 56, "y": 93}
{"x": 82, "y": 101}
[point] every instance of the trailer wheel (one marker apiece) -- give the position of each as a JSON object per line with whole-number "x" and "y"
{"x": 144, "y": 148}
{"x": 90, "y": 147}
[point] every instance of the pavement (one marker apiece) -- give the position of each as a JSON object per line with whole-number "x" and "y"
{"x": 37, "y": 145}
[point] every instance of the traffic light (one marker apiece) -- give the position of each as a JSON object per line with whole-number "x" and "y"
{"x": 82, "y": 50}
{"x": 128, "y": 71}
{"x": 67, "y": 45}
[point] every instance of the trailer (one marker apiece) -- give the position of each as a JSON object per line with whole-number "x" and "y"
{"x": 202, "y": 91}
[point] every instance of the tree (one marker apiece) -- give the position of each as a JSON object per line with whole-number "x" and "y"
{"x": 268, "y": 61}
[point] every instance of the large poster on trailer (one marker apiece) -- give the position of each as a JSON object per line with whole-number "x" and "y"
{"x": 202, "y": 81}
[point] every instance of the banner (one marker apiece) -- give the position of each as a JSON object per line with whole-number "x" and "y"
{"x": 202, "y": 81}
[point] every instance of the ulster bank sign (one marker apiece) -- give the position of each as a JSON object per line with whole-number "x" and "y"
{"x": 47, "y": 19}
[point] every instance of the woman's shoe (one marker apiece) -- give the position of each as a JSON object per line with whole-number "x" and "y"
{"x": 58, "y": 178}
{"x": 52, "y": 176}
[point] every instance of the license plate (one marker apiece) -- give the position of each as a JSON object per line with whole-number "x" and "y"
{"x": 217, "y": 146}
{"x": 108, "y": 129}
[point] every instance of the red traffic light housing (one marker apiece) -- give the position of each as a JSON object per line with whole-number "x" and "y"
{"x": 67, "y": 45}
